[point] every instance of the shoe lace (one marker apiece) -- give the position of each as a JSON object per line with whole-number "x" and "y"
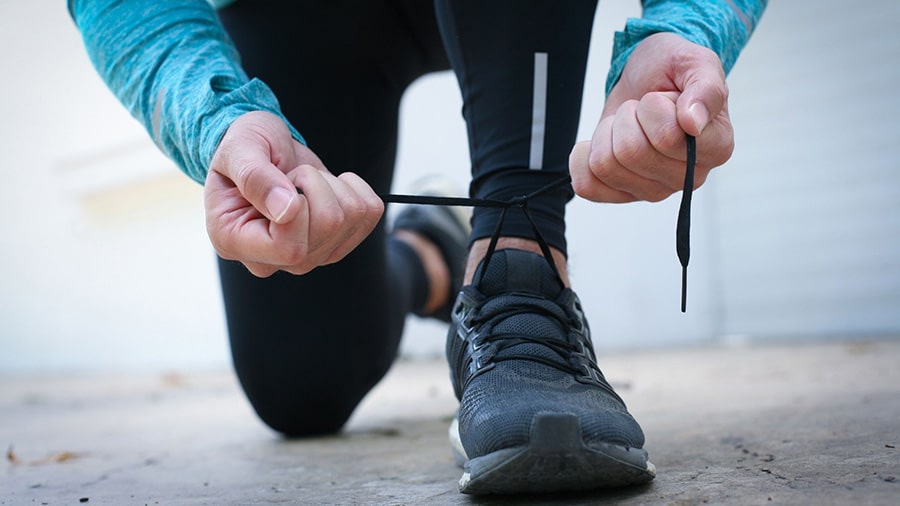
{"x": 574, "y": 355}
{"x": 682, "y": 227}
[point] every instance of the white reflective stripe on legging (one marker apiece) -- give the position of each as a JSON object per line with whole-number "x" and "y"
{"x": 538, "y": 111}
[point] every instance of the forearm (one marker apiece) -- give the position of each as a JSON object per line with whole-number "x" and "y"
{"x": 724, "y": 26}
{"x": 173, "y": 67}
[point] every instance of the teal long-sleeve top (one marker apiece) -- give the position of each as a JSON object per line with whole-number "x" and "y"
{"x": 174, "y": 68}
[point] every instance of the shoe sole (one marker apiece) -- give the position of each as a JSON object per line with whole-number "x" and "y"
{"x": 555, "y": 459}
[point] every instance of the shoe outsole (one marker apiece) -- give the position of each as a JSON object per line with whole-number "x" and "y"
{"x": 555, "y": 459}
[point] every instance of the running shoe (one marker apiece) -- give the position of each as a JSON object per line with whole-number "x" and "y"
{"x": 536, "y": 413}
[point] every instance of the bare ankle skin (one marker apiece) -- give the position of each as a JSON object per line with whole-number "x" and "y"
{"x": 435, "y": 269}
{"x": 480, "y": 247}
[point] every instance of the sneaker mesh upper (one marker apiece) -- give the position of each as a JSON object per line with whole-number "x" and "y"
{"x": 514, "y": 351}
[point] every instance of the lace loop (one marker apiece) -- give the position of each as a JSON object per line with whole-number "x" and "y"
{"x": 682, "y": 228}
{"x": 574, "y": 355}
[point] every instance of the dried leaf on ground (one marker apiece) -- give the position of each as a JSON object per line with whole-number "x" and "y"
{"x": 50, "y": 459}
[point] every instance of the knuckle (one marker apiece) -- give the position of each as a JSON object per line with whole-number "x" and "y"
{"x": 582, "y": 186}
{"x": 699, "y": 180}
{"x": 336, "y": 256}
{"x": 244, "y": 174}
{"x": 222, "y": 243}
{"x": 652, "y": 192}
{"x": 601, "y": 165}
{"x": 332, "y": 219}
{"x": 725, "y": 153}
{"x": 377, "y": 207}
{"x": 578, "y": 183}
{"x": 716, "y": 156}
{"x": 667, "y": 140}
{"x": 723, "y": 90}
{"x": 259, "y": 270}
{"x": 658, "y": 194}
{"x": 355, "y": 208}
{"x": 589, "y": 188}
{"x": 296, "y": 254}
{"x": 629, "y": 149}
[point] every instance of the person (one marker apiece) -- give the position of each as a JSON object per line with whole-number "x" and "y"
{"x": 316, "y": 286}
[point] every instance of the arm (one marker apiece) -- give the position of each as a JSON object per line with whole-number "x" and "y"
{"x": 723, "y": 26}
{"x": 173, "y": 67}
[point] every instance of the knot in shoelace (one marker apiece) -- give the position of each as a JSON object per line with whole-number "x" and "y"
{"x": 682, "y": 228}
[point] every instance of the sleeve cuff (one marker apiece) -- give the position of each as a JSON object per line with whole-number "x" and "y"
{"x": 227, "y": 106}
{"x": 723, "y": 27}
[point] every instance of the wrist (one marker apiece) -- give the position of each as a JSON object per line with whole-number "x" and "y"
{"x": 721, "y": 26}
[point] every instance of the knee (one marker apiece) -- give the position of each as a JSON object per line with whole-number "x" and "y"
{"x": 303, "y": 405}
{"x": 296, "y": 416}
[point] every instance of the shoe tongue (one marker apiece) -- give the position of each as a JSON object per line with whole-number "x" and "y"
{"x": 512, "y": 270}
{"x": 512, "y": 279}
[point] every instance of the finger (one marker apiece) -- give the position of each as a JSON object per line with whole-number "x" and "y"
{"x": 238, "y": 231}
{"x": 235, "y": 228}
{"x": 366, "y": 216}
{"x": 260, "y": 270}
{"x": 219, "y": 190}
{"x": 268, "y": 189}
{"x": 716, "y": 145}
{"x": 704, "y": 91}
{"x": 606, "y": 167}
{"x": 585, "y": 184}
{"x": 245, "y": 158}
{"x": 656, "y": 115}
{"x": 291, "y": 246}
{"x": 647, "y": 173}
{"x": 264, "y": 247}
{"x": 326, "y": 216}
{"x": 352, "y": 205}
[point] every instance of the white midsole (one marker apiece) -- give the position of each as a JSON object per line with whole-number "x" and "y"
{"x": 455, "y": 441}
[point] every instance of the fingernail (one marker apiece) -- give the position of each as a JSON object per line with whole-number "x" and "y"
{"x": 700, "y": 115}
{"x": 278, "y": 201}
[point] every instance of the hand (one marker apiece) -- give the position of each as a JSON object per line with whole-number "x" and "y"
{"x": 669, "y": 87}
{"x": 254, "y": 213}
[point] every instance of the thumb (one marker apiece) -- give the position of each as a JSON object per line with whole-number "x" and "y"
{"x": 280, "y": 204}
{"x": 704, "y": 93}
{"x": 245, "y": 158}
{"x": 263, "y": 185}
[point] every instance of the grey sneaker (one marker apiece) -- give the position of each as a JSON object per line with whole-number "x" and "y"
{"x": 535, "y": 414}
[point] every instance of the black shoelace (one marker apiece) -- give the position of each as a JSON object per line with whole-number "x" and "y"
{"x": 682, "y": 227}
{"x": 574, "y": 357}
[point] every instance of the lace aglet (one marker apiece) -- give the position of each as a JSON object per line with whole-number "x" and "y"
{"x": 684, "y": 289}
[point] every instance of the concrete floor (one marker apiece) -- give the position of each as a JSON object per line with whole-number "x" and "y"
{"x": 799, "y": 424}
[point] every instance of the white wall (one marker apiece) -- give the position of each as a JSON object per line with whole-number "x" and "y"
{"x": 104, "y": 260}
{"x": 808, "y": 211}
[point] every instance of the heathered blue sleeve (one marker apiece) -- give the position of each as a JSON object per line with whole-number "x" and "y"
{"x": 172, "y": 65}
{"x": 723, "y": 26}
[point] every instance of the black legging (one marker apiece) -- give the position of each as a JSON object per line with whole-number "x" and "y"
{"x": 308, "y": 348}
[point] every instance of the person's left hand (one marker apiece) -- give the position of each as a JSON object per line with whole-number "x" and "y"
{"x": 669, "y": 87}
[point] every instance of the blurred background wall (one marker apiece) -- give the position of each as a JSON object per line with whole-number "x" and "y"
{"x": 105, "y": 264}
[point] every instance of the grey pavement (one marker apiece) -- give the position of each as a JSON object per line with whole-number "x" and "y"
{"x": 815, "y": 423}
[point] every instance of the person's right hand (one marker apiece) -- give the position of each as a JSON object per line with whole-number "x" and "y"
{"x": 254, "y": 213}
